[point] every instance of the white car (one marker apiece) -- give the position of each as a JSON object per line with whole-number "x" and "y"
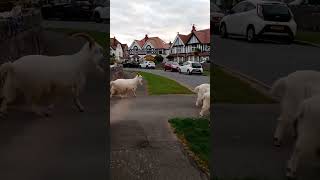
{"x": 147, "y": 65}
{"x": 101, "y": 12}
{"x": 257, "y": 18}
{"x": 191, "y": 67}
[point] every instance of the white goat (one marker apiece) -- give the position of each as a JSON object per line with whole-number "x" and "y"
{"x": 200, "y": 90}
{"x": 39, "y": 76}
{"x": 307, "y": 127}
{"x": 292, "y": 90}
{"x": 124, "y": 86}
{"x": 206, "y": 104}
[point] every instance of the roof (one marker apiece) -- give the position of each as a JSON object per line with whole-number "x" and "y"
{"x": 114, "y": 43}
{"x": 156, "y": 42}
{"x": 184, "y": 38}
{"x": 203, "y": 36}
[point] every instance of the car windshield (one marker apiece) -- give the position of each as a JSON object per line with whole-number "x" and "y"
{"x": 215, "y": 8}
{"x": 275, "y": 9}
{"x": 196, "y": 65}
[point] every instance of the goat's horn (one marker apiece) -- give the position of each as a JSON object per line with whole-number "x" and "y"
{"x": 85, "y": 36}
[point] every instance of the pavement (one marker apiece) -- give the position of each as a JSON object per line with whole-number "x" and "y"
{"x": 190, "y": 81}
{"x": 143, "y": 146}
{"x": 242, "y": 144}
{"x": 68, "y": 145}
{"x": 264, "y": 61}
{"x": 242, "y": 134}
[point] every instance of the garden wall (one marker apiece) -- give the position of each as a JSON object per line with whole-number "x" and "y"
{"x": 21, "y": 36}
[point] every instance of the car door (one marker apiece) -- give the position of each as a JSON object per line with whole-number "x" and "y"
{"x": 236, "y": 19}
{"x": 245, "y": 16}
{"x": 231, "y": 19}
{"x": 183, "y": 67}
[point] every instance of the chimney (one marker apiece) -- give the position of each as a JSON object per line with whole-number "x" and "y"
{"x": 146, "y": 37}
{"x": 193, "y": 28}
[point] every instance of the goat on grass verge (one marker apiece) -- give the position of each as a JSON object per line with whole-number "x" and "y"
{"x": 40, "y": 76}
{"x": 307, "y": 127}
{"x": 124, "y": 86}
{"x": 201, "y": 90}
{"x": 292, "y": 90}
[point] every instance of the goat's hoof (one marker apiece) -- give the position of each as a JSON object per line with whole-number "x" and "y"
{"x": 276, "y": 142}
{"x": 290, "y": 174}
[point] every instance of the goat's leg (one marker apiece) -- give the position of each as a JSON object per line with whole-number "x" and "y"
{"x": 279, "y": 132}
{"x": 293, "y": 164}
{"x": 198, "y": 100}
{"x": 205, "y": 109}
{"x": 76, "y": 99}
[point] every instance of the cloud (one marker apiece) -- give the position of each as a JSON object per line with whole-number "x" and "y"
{"x": 130, "y": 20}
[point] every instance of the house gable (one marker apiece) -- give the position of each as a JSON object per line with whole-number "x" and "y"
{"x": 146, "y": 44}
{"x": 135, "y": 43}
{"x": 193, "y": 40}
{"x": 177, "y": 41}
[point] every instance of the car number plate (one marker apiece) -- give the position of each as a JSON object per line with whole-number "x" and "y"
{"x": 277, "y": 27}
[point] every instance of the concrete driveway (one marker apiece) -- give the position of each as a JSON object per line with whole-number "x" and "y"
{"x": 265, "y": 61}
{"x": 143, "y": 146}
{"x": 190, "y": 81}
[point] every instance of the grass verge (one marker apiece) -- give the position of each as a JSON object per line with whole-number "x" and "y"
{"x": 313, "y": 37}
{"x": 100, "y": 37}
{"x": 229, "y": 89}
{"x": 158, "y": 85}
{"x": 194, "y": 133}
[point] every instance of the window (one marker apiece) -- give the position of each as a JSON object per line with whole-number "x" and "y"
{"x": 148, "y": 49}
{"x": 160, "y": 51}
{"x": 249, "y": 6}
{"x": 135, "y": 48}
{"x": 239, "y": 8}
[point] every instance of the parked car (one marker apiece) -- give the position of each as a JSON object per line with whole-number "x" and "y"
{"x": 216, "y": 16}
{"x": 101, "y": 12}
{"x": 147, "y": 65}
{"x": 171, "y": 66}
{"x": 130, "y": 64}
{"x": 74, "y": 9}
{"x": 191, "y": 67}
{"x": 257, "y": 18}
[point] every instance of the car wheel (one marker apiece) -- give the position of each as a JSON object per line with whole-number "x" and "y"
{"x": 97, "y": 18}
{"x": 223, "y": 31}
{"x": 189, "y": 72}
{"x": 147, "y": 67}
{"x": 251, "y": 35}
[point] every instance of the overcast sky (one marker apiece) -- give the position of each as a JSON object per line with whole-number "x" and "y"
{"x": 130, "y": 20}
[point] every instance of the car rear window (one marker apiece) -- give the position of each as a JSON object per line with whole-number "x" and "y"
{"x": 276, "y": 12}
{"x": 196, "y": 65}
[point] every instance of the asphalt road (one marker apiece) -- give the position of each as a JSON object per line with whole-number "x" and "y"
{"x": 264, "y": 61}
{"x": 68, "y": 145}
{"x": 190, "y": 81}
{"x": 79, "y": 25}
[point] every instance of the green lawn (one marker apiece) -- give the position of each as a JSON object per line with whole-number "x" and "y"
{"x": 101, "y": 37}
{"x": 206, "y": 73}
{"x": 158, "y": 85}
{"x": 195, "y": 133}
{"x": 229, "y": 89}
{"x": 313, "y": 37}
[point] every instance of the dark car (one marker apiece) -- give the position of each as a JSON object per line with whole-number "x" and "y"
{"x": 76, "y": 9}
{"x": 171, "y": 66}
{"x": 132, "y": 64}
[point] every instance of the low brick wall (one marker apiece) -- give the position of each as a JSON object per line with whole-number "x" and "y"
{"x": 20, "y": 37}
{"x": 116, "y": 72}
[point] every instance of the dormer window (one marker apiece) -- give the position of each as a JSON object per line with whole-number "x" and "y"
{"x": 148, "y": 49}
{"x": 135, "y": 48}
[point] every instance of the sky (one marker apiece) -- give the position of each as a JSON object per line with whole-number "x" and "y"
{"x": 130, "y": 20}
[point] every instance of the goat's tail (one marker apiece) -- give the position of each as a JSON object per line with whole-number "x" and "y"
{"x": 278, "y": 88}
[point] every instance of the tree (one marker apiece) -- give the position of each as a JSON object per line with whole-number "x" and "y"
{"x": 158, "y": 58}
{"x": 149, "y": 58}
{"x": 112, "y": 59}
